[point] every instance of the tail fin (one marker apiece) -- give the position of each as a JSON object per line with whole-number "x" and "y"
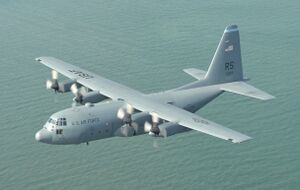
{"x": 226, "y": 65}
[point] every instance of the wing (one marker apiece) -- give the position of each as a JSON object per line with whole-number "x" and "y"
{"x": 141, "y": 101}
{"x": 92, "y": 81}
{"x": 174, "y": 114}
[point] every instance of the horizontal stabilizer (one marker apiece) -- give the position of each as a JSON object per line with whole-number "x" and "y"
{"x": 196, "y": 73}
{"x": 245, "y": 89}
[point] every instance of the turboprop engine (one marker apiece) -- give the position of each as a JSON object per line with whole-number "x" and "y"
{"x": 169, "y": 129}
{"x": 133, "y": 123}
{"x": 163, "y": 129}
{"x": 142, "y": 122}
{"x": 87, "y": 96}
{"x": 61, "y": 87}
{"x": 55, "y": 85}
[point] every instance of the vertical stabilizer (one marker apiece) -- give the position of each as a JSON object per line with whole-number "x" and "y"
{"x": 226, "y": 65}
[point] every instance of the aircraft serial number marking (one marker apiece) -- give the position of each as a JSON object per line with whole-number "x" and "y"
{"x": 200, "y": 121}
{"x": 81, "y": 74}
{"x": 229, "y": 66}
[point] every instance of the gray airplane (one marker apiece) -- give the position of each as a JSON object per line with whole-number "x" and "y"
{"x": 108, "y": 109}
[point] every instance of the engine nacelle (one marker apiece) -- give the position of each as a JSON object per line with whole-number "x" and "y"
{"x": 137, "y": 128}
{"x": 92, "y": 97}
{"x": 139, "y": 120}
{"x": 125, "y": 131}
{"x": 65, "y": 86}
{"x": 169, "y": 128}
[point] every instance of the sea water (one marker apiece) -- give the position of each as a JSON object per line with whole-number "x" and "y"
{"x": 145, "y": 45}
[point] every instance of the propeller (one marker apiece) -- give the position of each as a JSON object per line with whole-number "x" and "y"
{"x": 152, "y": 129}
{"x": 77, "y": 93}
{"x": 125, "y": 114}
{"x": 53, "y": 84}
{"x": 54, "y": 74}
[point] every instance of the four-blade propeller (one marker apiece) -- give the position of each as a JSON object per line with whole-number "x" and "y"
{"x": 152, "y": 129}
{"x": 78, "y": 92}
{"x": 53, "y": 84}
{"x": 125, "y": 114}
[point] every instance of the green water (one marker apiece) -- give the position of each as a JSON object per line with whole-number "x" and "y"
{"x": 145, "y": 45}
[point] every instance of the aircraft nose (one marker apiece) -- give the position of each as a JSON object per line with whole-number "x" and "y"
{"x": 43, "y": 136}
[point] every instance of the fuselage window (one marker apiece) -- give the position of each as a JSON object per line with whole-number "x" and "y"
{"x": 64, "y": 121}
{"x": 58, "y": 122}
{"x": 59, "y": 131}
{"x": 61, "y": 122}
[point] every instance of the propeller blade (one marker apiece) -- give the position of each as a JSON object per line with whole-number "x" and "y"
{"x": 84, "y": 90}
{"x": 129, "y": 109}
{"x": 54, "y": 74}
{"x": 74, "y": 89}
{"x": 155, "y": 118}
{"x": 48, "y": 84}
{"x": 121, "y": 113}
{"x": 147, "y": 127}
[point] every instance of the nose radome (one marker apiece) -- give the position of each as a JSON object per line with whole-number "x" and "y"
{"x": 38, "y": 136}
{"x": 44, "y": 136}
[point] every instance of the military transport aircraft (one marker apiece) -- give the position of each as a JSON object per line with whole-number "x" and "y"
{"x": 107, "y": 109}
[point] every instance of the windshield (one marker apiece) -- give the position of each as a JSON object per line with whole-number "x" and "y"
{"x": 58, "y": 122}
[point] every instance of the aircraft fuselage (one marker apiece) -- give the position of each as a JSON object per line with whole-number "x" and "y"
{"x": 81, "y": 124}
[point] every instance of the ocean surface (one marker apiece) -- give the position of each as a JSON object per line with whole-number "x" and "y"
{"x": 145, "y": 45}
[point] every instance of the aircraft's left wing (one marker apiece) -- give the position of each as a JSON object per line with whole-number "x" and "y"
{"x": 142, "y": 102}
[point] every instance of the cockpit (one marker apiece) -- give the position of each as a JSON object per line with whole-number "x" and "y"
{"x": 56, "y": 125}
{"x": 52, "y": 130}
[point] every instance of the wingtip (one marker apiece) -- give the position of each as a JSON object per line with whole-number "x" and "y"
{"x": 38, "y": 59}
{"x": 238, "y": 141}
{"x": 272, "y": 97}
{"x": 269, "y": 97}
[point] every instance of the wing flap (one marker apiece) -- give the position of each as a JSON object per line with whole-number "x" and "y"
{"x": 245, "y": 89}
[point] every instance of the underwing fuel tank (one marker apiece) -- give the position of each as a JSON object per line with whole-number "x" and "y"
{"x": 169, "y": 129}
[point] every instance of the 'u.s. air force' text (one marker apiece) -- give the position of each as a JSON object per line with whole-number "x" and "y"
{"x": 86, "y": 121}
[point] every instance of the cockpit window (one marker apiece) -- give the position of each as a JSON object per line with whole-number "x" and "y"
{"x": 52, "y": 121}
{"x": 59, "y": 122}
